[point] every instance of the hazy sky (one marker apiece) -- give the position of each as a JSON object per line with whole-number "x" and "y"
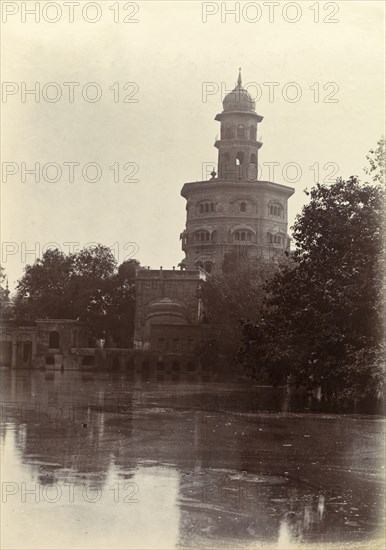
{"x": 170, "y": 53}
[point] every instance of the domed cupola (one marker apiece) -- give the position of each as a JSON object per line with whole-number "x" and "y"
{"x": 166, "y": 310}
{"x": 238, "y": 146}
{"x": 238, "y": 99}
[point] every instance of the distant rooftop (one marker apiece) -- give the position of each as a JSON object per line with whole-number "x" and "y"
{"x": 171, "y": 274}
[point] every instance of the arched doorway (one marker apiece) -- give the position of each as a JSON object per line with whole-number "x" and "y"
{"x": 54, "y": 339}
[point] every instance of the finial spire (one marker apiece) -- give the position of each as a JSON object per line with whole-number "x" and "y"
{"x": 239, "y": 78}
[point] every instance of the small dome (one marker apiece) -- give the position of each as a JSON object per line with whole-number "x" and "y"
{"x": 238, "y": 99}
{"x": 166, "y": 306}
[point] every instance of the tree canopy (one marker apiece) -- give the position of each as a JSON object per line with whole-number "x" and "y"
{"x": 86, "y": 285}
{"x": 323, "y": 314}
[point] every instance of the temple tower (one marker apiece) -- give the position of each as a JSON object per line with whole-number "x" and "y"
{"x": 234, "y": 214}
{"x": 238, "y": 147}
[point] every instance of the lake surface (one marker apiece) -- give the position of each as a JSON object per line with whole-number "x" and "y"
{"x": 92, "y": 461}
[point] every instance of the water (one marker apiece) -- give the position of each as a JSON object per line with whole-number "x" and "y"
{"x": 91, "y": 461}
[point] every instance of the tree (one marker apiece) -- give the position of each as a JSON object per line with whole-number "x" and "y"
{"x": 232, "y": 297}
{"x": 43, "y": 291}
{"x": 86, "y": 285}
{"x": 122, "y": 309}
{"x": 5, "y": 305}
{"x": 92, "y": 284}
{"x": 323, "y": 315}
{"x": 376, "y": 158}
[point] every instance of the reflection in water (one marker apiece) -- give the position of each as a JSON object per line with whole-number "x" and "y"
{"x": 125, "y": 465}
{"x": 296, "y": 527}
{"x": 321, "y": 506}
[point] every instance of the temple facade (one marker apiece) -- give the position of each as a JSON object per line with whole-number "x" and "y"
{"x": 234, "y": 213}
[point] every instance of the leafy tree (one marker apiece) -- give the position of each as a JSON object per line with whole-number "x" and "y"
{"x": 231, "y": 298}
{"x": 86, "y": 285}
{"x": 323, "y": 314}
{"x": 122, "y": 309}
{"x": 92, "y": 285}
{"x": 5, "y": 305}
{"x": 376, "y": 158}
{"x": 43, "y": 291}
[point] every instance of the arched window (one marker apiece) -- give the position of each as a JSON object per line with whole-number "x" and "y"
{"x": 252, "y": 133}
{"x": 243, "y": 207}
{"x": 253, "y": 158}
{"x": 228, "y": 132}
{"x": 145, "y": 372}
{"x": 240, "y": 131}
{"x": 190, "y": 343}
{"x": 276, "y": 210}
{"x": 276, "y": 239}
{"x": 145, "y": 365}
{"x": 54, "y": 339}
{"x": 214, "y": 236}
{"x": 202, "y": 236}
{"x": 239, "y": 158}
{"x": 206, "y": 207}
{"x": 130, "y": 365}
{"x": 242, "y": 236}
{"x": 208, "y": 267}
{"x": 175, "y": 366}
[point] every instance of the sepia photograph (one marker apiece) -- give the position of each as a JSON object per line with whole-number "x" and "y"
{"x": 192, "y": 278}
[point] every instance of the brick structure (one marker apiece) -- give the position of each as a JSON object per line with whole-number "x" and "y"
{"x": 168, "y": 305}
{"x": 233, "y": 212}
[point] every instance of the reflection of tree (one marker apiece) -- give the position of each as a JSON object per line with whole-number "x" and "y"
{"x": 74, "y": 430}
{"x": 242, "y": 471}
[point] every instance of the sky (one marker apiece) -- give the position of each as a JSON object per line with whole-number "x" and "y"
{"x": 148, "y": 79}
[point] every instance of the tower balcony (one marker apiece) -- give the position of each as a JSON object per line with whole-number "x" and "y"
{"x": 237, "y": 143}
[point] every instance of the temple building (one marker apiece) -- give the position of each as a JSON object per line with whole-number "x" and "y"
{"x": 168, "y": 309}
{"x": 232, "y": 215}
{"x": 233, "y": 212}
